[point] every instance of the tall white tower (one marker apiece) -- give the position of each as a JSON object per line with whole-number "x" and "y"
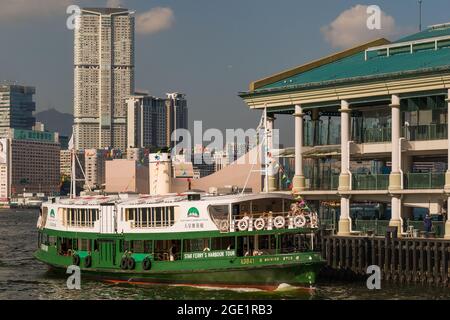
{"x": 104, "y": 77}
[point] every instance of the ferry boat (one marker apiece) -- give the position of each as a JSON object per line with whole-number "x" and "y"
{"x": 254, "y": 240}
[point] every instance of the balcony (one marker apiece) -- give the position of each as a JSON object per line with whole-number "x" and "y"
{"x": 426, "y": 132}
{"x": 374, "y": 135}
{"x": 370, "y": 181}
{"x": 412, "y": 133}
{"x": 430, "y": 180}
{"x": 330, "y": 182}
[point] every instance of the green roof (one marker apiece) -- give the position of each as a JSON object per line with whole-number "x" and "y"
{"x": 355, "y": 67}
{"x": 431, "y": 32}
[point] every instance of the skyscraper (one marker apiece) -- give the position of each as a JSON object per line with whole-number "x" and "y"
{"x": 147, "y": 122}
{"x": 152, "y": 120}
{"x": 16, "y": 108}
{"x": 177, "y": 115}
{"x": 104, "y": 77}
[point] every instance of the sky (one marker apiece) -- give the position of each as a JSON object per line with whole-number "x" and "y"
{"x": 208, "y": 49}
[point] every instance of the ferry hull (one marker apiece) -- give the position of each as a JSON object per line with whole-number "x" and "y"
{"x": 264, "y": 276}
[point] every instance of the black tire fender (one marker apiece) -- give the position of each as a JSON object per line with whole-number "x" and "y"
{"x": 147, "y": 264}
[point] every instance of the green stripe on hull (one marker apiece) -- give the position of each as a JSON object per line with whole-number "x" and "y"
{"x": 293, "y": 269}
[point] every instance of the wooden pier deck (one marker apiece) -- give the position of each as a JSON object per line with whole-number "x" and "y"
{"x": 401, "y": 260}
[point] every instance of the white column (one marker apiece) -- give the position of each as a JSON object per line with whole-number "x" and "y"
{"x": 344, "y": 178}
{"x": 272, "y": 178}
{"x": 299, "y": 179}
{"x": 395, "y": 176}
{"x": 344, "y": 219}
{"x": 344, "y": 227}
{"x": 396, "y": 213}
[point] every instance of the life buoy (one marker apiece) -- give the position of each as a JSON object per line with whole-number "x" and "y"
{"x": 279, "y": 222}
{"x": 76, "y": 260}
{"x": 299, "y": 221}
{"x": 124, "y": 263}
{"x": 259, "y": 224}
{"x": 243, "y": 224}
{"x": 88, "y": 261}
{"x": 223, "y": 226}
{"x": 131, "y": 263}
{"x": 147, "y": 264}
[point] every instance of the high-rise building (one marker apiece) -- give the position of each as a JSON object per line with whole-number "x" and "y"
{"x": 29, "y": 162}
{"x": 147, "y": 122}
{"x": 104, "y": 77}
{"x": 151, "y": 120}
{"x": 177, "y": 115}
{"x": 16, "y": 108}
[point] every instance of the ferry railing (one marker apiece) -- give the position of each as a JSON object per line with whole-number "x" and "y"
{"x": 272, "y": 220}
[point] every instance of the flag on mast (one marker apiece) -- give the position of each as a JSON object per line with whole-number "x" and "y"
{"x": 71, "y": 143}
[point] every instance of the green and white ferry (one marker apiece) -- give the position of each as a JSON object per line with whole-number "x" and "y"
{"x": 252, "y": 240}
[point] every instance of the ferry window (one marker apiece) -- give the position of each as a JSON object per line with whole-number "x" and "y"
{"x": 83, "y": 244}
{"x": 51, "y": 241}
{"x": 196, "y": 245}
{"x": 266, "y": 245}
{"x": 290, "y": 243}
{"x": 154, "y": 217}
{"x": 44, "y": 239}
{"x": 167, "y": 250}
{"x": 222, "y": 243}
{"x": 65, "y": 246}
{"x": 80, "y": 217}
{"x": 219, "y": 214}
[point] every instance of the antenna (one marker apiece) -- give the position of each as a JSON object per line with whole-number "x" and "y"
{"x": 420, "y": 15}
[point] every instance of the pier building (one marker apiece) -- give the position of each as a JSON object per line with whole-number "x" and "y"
{"x": 371, "y": 132}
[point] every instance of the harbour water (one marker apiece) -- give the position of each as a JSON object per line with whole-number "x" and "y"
{"x": 22, "y": 277}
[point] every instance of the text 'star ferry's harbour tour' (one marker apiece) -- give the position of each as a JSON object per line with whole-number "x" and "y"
{"x": 255, "y": 240}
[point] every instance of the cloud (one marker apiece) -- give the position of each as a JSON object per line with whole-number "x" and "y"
{"x": 155, "y": 20}
{"x": 12, "y": 10}
{"x": 350, "y": 28}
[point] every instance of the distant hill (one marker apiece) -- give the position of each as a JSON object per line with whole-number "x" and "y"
{"x": 56, "y": 121}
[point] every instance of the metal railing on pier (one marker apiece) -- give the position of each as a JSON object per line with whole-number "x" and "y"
{"x": 429, "y": 180}
{"x": 373, "y": 135}
{"x": 370, "y": 181}
{"x": 426, "y": 132}
{"x": 375, "y": 227}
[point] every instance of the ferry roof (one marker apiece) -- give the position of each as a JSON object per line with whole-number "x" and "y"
{"x": 353, "y": 65}
{"x": 170, "y": 198}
